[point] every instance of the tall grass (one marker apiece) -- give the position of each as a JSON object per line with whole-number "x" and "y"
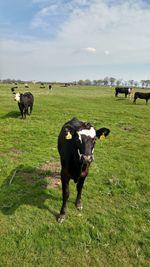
{"x": 113, "y": 228}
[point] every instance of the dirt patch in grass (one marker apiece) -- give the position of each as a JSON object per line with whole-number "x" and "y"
{"x": 51, "y": 166}
{"x": 53, "y": 179}
{"x": 49, "y": 173}
{"x": 16, "y": 152}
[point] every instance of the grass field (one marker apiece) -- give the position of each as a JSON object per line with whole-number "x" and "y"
{"x": 113, "y": 228}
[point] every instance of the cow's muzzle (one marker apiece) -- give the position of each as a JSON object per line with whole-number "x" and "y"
{"x": 87, "y": 159}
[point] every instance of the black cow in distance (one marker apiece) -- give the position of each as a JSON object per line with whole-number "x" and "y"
{"x": 25, "y": 101}
{"x": 142, "y": 95}
{"x": 122, "y": 90}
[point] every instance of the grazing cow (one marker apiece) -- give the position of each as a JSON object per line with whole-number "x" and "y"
{"x": 50, "y": 87}
{"x": 25, "y": 101}
{"x": 42, "y": 85}
{"x": 13, "y": 88}
{"x": 122, "y": 90}
{"x": 26, "y": 85}
{"x": 142, "y": 95}
{"x": 76, "y": 143}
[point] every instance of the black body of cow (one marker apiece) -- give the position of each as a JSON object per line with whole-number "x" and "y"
{"x": 50, "y": 87}
{"x": 76, "y": 143}
{"x": 26, "y": 101}
{"x": 13, "y": 88}
{"x": 142, "y": 95}
{"x": 122, "y": 90}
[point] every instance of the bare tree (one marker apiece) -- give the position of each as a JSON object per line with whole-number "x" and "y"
{"x": 131, "y": 83}
{"x": 106, "y": 81}
{"x": 87, "y": 82}
{"x": 118, "y": 82}
{"x": 112, "y": 81}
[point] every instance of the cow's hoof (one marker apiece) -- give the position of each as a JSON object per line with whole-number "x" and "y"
{"x": 61, "y": 218}
{"x": 79, "y": 207}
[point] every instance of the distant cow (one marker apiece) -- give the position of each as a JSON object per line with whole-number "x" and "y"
{"x": 13, "y": 88}
{"x": 25, "y": 101}
{"x": 142, "y": 95}
{"x": 122, "y": 90}
{"x": 76, "y": 143}
{"x": 42, "y": 85}
{"x": 26, "y": 85}
{"x": 50, "y": 87}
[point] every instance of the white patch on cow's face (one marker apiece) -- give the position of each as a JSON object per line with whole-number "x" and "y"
{"x": 88, "y": 132}
{"x": 17, "y": 97}
{"x": 129, "y": 90}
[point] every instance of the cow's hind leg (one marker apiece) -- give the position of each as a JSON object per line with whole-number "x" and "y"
{"x": 65, "y": 196}
{"x": 31, "y": 107}
{"x": 25, "y": 112}
{"x": 79, "y": 192}
{"x": 21, "y": 111}
{"x": 134, "y": 100}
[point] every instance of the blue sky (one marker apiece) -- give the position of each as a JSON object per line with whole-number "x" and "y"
{"x": 67, "y": 40}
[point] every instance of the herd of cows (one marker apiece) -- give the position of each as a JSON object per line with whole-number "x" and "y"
{"x": 26, "y": 100}
{"x": 131, "y": 92}
{"x": 76, "y": 143}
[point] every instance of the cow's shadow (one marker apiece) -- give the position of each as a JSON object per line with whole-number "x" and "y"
{"x": 11, "y": 114}
{"x": 28, "y": 186}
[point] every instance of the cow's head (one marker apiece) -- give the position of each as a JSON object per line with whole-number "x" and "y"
{"x": 84, "y": 140}
{"x": 17, "y": 97}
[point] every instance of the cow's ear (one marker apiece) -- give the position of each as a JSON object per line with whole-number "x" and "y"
{"x": 102, "y": 133}
{"x": 68, "y": 133}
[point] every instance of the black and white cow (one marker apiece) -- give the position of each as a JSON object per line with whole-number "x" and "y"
{"x": 122, "y": 90}
{"x": 76, "y": 143}
{"x": 142, "y": 95}
{"x": 25, "y": 101}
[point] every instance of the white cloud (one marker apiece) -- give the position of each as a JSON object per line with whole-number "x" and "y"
{"x": 89, "y": 49}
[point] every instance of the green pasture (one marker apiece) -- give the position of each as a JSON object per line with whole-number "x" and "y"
{"x": 113, "y": 230}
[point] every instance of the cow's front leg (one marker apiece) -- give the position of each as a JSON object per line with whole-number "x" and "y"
{"x": 65, "y": 196}
{"x": 78, "y": 203}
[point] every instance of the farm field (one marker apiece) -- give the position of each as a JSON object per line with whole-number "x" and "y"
{"x": 113, "y": 230}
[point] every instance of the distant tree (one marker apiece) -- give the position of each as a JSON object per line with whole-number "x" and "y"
{"x": 131, "y": 83}
{"x": 136, "y": 84}
{"x": 112, "y": 81}
{"x": 147, "y": 83}
{"x": 95, "y": 82}
{"x": 106, "y": 81}
{"x": 118, "y": 82}
{"x": 100, "y": 82}
{"x": 143, "y": 83}
{"x": 87, "y": 82}
{"x": 81, "y": 82}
